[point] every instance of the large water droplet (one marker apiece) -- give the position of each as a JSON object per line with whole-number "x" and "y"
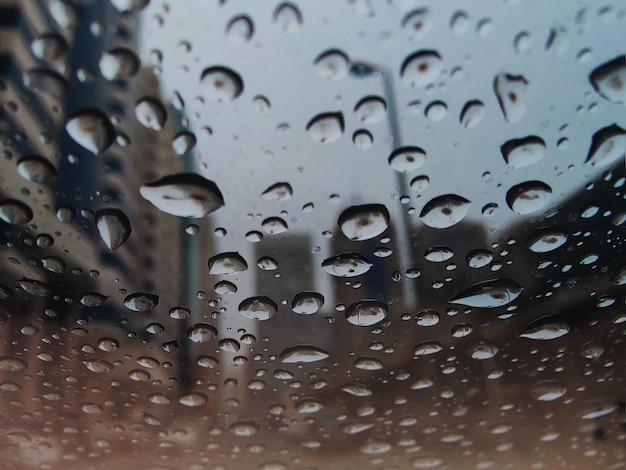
{"x": 201, "y": 332}
{"x": 36, "y": 169}
{"x": 346, "y": 265}
{"x": 141, "y": 302}
{"x": 258, "y": 308}
{"x": 364, "y": 222}
{"x": 34, "y": 287}
{"x": 417, "y": 23}
{"x": 596, "y": 409}
{"x": 545, "y": 240}
{"x": 307, "y": 303}
{"x": 183, "y": 142}
{"x": 278, "y": 192}
{"x": 444, "y": 211}
{"x": 151, "y": 113}
{"x": 15, "y": 212}
{"x": 421, "y": 68}
{"x": 332, "y": 65}
{"x": 609, "y": 80}
{"x": 240, "y": 29}
{"x": 522, "y": 152}
{"x": 91, "y": 129}
{"x": 371, "y": 109}
{"x": 244, "y": 428}
{"x": 436, "y": 111}
{"x": 546, "y": 328}
{"x": 548, "y": 390}
{"x": 12, "y": 364}
{"x": 482, "y": 350}
{"x": 227, "y": 263}
{"x": 479, "y": 258}
{"x": 619, "y": 276}
{"x": 366, "y": 313}
{"x": 511, "y": 93}
{"x": 608, "y": 145}
{"x": 287, "y": 17}
{"x": 528, "y": 197}
{"x": 113, "y": 227}
{"x": 427, "y": 348}
{"x": 406, "y": 159}
{"x": 119, "y": 64}
{"x": 47, "y": 82}
{"x": 309, "y": 405}
{"x": 184, "y": 195}
{"x": 65, "y": 13}
{"x": 193, "y": 399}
{"x": 221, "y": 84}
{"x": 92, "y": 299}
{"x": 472, "y": 114}
{"x": 99, "y": 366}
{"x": 368, "y": 363}
{"x": 489, "y": 294}
{"x": 438, "y": 254}
{"x": 326, "y": 127}
{"x": 50, "y": 47}
{"x": 303, "y": 354}
{"x": 274, "y": 225}
{"x": 356, "y": 390}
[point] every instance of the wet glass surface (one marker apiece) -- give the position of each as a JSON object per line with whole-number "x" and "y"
{"x": 331, "y": 234}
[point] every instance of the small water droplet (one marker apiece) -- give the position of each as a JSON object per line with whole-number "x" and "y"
{"x": 609, "y": 80}
{"x": 221, "y": 84}
{"x": 522, "y": 152}
{"x": 489, "y": 294}
{"x": 511, "y": 93}
{"x": 421, "y": 68}
{"x": 91, "y": 130}
{"x": 546, "y": 240}
{"x": 528, "y": 197}
{"x": 366, "y": 313}
{"x": 545, "y": 328}
{"x": 326, "y": 127}
{"x": 332, "y": 65}
{"x": 113, "y": 227}
{"x": 608, "y": 145}
{"x": 227, "y": 263}
{"x": 304, "y": 353}
{"x": 359, "y": 223}
{"x": 445, "y": 211}
{"x": 258, "y": 308}
{"x": 141, "y": 302}
{"x": 472, "y": 114}
{"x": 459, "y": 23}
{"x": 362, "y": 139}
{"x": 184, "y": 195}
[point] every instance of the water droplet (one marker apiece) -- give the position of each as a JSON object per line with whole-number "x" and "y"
{"x": 548, "y": 390}
{"x": 326, "y": 127}
{"x": 557, "y": 42}
{"x": 366, "y": 313}
{"x": 420, "y": 183}
{"x": 368, "y": 363}
{"x": 141, "y": 302}
{"x": 201, "y": 332}
{"x": 522, "y": 42}
{"x": 99, "y": 366}
{"x": 522, "y": 152}
{"x": 183, "y": 142}
{"x": 307, "y": 303}
{"x": 417, "y": 23}
{"x": 607, "y": 146}
{"x": 459, "y": 23}
{"x": 427, "y": 348}
{"x": 619, "y": 276}
{"x": 357, "y": 390}
{"x": 595, "y": 409}
{"x": 208, "y": 362}
{"x": 240, "y": 30}
{"x": 151, "y": 113}
{"x": 225, "y": 288}
{"x": 113, "y": 227}
{"x": 53, "y": 264}
{"x": 221, "y": 84}
{"x": 274, "y": 225}
{"x": 472, "y": 114}
{"x": 545, "y": 240}
{"x": 364, "y": 222}
{"x": 92, "y": 299}
{"x": 362, "y": 139}
{"x": 34, "y": 287}
{"x": 609, "y": 80}
{"x": 371, "y": 109}
{"x": 479, "y": 258}
{"x": 436, "y": 111}
{"x": 229, "y": 345}
{"x": 304, "y": 354}
{"x": 129, "y": 5}
{"x": 546, "y": 328}
{"x": 12, "y": 364}
{"x": 461, "y": 330}
{"x": 511, "y": 92}
{"x": 309, "y": 405}
{"x": 438, "y": 254}
{"x": 193, "y": 399}
{"x": 15, "y": 212}
{"x": 119, "y": 64}
{"x": 332, "y": 65}
{"x": 427, "y": 318}
{"x": 36, "y": 169}
{"x": 445, "y": 211}
{"x": 406, "y": 159}
{"x": 489, "y": 294}
{"x": 50, "y": 47}
{"x": 244, "y": 428}
{"x": 482, "y": 350}
{"x": 287, "y": 18}
{"x": 356, "y": 427}
{"x": 227, "y": 263}
{"x": 91, "y": 130}
{"x": 65, "y": 13}
{"x": 258, "y": 308}
{"x": 421, "y": 68}
{"x": 46, "y": 82}
{"x": 179, "y": 313}
{"x": 108, "y": 344}
{"x": 591, "y": 350}
{"x": 528, "y": 197}
{"x": 183, "y": 195}
{"x": 346, "y": 265}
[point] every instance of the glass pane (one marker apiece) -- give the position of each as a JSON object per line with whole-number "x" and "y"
{"x": 356, "y": 234}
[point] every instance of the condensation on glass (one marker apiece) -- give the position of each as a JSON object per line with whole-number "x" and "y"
{"x": 330, "y": 234}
